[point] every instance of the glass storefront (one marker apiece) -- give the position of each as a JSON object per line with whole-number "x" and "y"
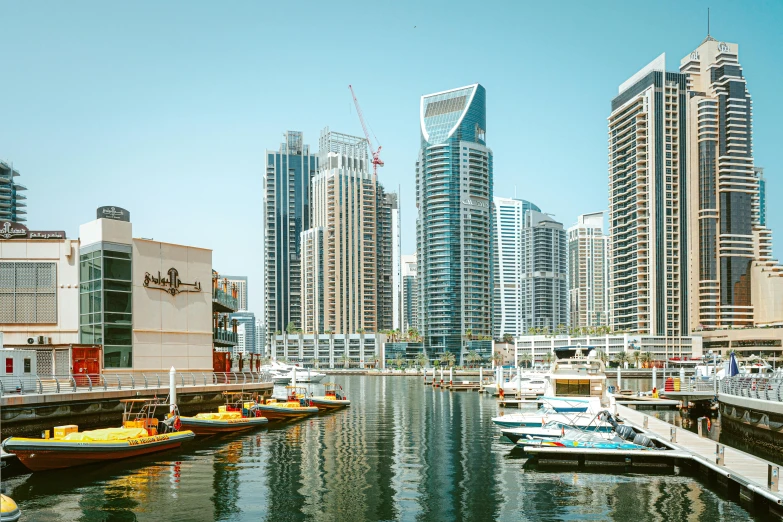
{"x": 105, "y": 302}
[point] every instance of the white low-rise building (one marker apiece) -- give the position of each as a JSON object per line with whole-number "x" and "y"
{"x": 330, "y": 350}
{"x": 661, "y": 348}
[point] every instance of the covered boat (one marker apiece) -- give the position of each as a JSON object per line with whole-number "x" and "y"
{"x": 295, "y": 406}
{"x": 141, "y": 433}
{"x": 240, "y": 413}
{"x": 334, "y": 398}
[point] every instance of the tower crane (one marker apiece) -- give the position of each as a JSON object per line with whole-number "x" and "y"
{"x": 376, "y": 154}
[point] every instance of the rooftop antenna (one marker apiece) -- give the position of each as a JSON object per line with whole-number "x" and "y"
{"x": 708, "y": 21}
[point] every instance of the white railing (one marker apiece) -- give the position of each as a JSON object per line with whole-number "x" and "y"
{"x": 752, "y": 387}
{"x": 48, "y": 384}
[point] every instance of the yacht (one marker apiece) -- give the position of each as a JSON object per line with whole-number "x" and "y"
{"x": 531, "y": 382}
{"x": 281, "y": 373}
{"x": 575, "y": 391}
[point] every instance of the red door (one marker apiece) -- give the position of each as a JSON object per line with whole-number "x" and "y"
{"x": 85, "y": 361}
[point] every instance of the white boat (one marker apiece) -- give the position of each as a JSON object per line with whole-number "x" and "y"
{"x": 532, "y": 384}
{"x": 556, "y": 429}
{"x": 575, "y": 392}
{"x": 284, "y": 373}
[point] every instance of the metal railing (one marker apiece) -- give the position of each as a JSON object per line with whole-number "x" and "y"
{"x": 694, "y": 385}
{"x": 752, "y": 387}
{"x": 50, "y": 384}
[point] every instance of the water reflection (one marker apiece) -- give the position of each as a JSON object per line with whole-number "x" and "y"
{"x": 400, "y": 452}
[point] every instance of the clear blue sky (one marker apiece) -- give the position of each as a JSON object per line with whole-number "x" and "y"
{"x": 166, "y": 108}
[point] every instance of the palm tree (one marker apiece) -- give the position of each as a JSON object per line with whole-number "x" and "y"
{"x": 472, "y": 357}
{"x": 346, "y": 360}
{"x": 647, "y": 358}
{"x": 548, "y": 357}
{"x": 621, "y": 358}
{"x": 421, "y": 360}
{"x": 602, "y": 356}
{"x": 508, "y": 338}
{"x": 413, "y": 334}
{"x": 448, "y": 358}
{"x": 561, "y": 328}
{"x": 398, "y": 361}
{"x": 498, "y": 358}
{"x": 525, "y": 358}
{"x": 290, "y": 328}
{"x": 636, "y": 356}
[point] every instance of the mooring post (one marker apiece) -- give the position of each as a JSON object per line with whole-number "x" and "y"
{"x": 172, "y": 390}
{"x": 481, "y": 378}
{"x": 654, "y": 377}
{"x": 719, "y": 455}
{"x": 645, "y": 422}
{"x": 772, "y": 477}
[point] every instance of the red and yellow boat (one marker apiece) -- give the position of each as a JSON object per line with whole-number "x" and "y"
{"x": 333, "y": 399}
{"x": 296, "y": 406}
{"x": 141, "y": 433}
{"x": 240, "y": 413}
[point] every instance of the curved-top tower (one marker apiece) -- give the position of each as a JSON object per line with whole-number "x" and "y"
{"x": 454, "y": 195}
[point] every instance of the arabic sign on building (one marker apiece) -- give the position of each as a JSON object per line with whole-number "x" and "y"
{"x": 171, "y": 284}
{"x": 115, "y": 213}
{"x": 12, "y": 230}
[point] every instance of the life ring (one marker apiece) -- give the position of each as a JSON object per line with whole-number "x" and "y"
{"x": 177, "y": 423}
{"x": 501, "y": 392}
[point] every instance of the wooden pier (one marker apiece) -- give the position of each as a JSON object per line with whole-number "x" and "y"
{"x": 752, "y": 480}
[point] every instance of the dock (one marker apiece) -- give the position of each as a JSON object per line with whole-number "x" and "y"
{"x": 752, "y": 479}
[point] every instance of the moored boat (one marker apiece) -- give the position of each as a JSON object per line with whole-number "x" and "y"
{"x": 240, "y": 413}
{"x": 333, "y": 399}
{"x": 9, "y": 511}
{"x": 296, "y": 405}
{"x": 141, "y": 433}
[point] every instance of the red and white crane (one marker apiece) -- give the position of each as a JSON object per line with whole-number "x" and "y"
{"x": 376, "y": 154}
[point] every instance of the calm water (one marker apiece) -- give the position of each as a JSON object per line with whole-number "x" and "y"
{"x": 402, "y": 451}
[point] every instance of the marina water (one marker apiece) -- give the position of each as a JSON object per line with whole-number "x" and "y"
{"x": 402, "y": 451}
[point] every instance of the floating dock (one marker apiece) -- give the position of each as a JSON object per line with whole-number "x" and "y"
{"x": 751, "y": 479}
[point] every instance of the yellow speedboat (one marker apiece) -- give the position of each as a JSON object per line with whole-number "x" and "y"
{"x": 333, "y": 399}
{"x": 9, "y": 511}
{"x": 240, "y": 413}
{"x": 140, "y": 434}
{"x": 296, "y": 405}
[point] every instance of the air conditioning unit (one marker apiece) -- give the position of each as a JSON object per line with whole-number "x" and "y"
{"x": 31, "y": 340}
{"x": 42, "y": 339}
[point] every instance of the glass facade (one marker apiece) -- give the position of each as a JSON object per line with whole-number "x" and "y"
{"x": 12, "y": 202}
{"x": 287, "y": 186}
{"x": 105, "y": 302}
{"x": 454, "y": 195}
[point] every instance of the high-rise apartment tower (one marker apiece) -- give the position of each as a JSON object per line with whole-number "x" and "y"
{"x": 12, "y": 203}
{"x": 454, "y": 225}
{"x": 648, "y": 269}
{"x": 289, "y": 172}
{"x": 587, "y": 272}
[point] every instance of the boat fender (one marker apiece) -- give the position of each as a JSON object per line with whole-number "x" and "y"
{"x": 543, "y": 422}
{"x": 709, "y": 425}
{"x": 177, "y": 423}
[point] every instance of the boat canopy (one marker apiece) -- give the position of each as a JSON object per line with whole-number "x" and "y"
{"x": 568, "y": 352}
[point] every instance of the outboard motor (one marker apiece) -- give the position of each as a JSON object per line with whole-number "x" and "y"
{"x": 170, "y": 425}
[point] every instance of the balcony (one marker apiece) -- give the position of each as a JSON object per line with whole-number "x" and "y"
{"x": 223, "y": 338}
{"x": 223, "y": 302}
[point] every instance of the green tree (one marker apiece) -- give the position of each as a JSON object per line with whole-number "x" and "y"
{"x": 620, "y": 358}
{"x": 290, "y": 328}
{"x": 472, "y": 357}
{"x": 448, "y": 358}
{"x": 508, "y": 338}
{"x": 421, "y": 360}
{"x": 346, "y": 360}
{"x": 548, "y": 357}
{"x": 469, "y": 334}
{"x": 525, "y": 359}
{"x": 398, "y": 361}
{"x": 602, "y": 356}
{"x": 636, "y": 357}
{"x": 498, "y": 358}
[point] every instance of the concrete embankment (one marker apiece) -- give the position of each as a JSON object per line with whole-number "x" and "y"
{"x": 30, "y": 414}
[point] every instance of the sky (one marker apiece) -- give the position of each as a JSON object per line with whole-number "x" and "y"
{"x": 167, "y": 108}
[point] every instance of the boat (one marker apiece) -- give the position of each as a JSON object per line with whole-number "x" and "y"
{"x": 240, "y": 413}
{"x": 295, "y": 406}
{"x": 575, "y": 392}
{"x": 141, "y": 433}
{"x": 333, "y": 398}
{"x": 9, "y": 511}
{"x": 532, "y": 384}
{"x": 557, "y": 429}
{"x": 284, "y": 374}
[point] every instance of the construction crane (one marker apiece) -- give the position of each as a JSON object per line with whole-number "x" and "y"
{"x": 376, "y": 154}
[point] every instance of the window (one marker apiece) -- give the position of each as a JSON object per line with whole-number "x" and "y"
{"x": 28, "y": 293}
{"x": 27, "y": 365}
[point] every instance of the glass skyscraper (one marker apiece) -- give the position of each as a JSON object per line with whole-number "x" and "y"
{"x": 289, "y": 173}
{"x": 454, "y": 226}
{"x": 12, "y": 205}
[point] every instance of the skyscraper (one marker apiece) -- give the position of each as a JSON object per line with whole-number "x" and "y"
{"x": 12, "y": 205}
{"x": 354, "y": 212}
{"x": 544, "y": 266}
{"x": 508, "y": 275}
{"x": 410, "y": 294}
{"x": 762, "y": 196}
{"x": 587, "y": 278}
{"x": 648, "y": 269}
{"x": 248, "y": 320}
{"x": 454, "y": 225}
{"x": 722, "y": 186}
{"x": 289, "y": 172}
{"x": 241, "y": 284}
